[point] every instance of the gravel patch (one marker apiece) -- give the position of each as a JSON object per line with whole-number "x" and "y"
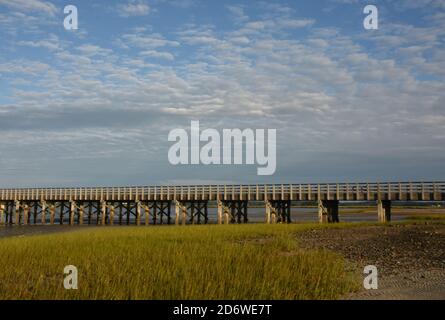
{"x": 410, "y": 258}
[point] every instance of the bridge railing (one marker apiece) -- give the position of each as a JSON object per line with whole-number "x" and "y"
{"x": 311, "y": 191}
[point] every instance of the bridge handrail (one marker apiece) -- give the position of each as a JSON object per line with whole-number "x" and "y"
{"x": 304, "y": 188}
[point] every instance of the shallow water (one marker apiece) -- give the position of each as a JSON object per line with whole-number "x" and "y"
{"x": 307, "y": 214}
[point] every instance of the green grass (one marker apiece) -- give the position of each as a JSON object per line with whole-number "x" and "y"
{"x": 430, "y": 217}
{"x": 192, "y": 262}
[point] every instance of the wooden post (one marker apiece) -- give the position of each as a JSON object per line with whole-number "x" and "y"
{"x": 43, "y": 213}
{"x": 184, "y": 214}
{"x": 25, "y": 214}
{"x": 226, "y": 215}
{"x": 17, "y": 212}
{"x": 81, "y": 211}
{"x": 322, "y": 213}
{"x": 147, "y": 214}
{"x": 384, "y": 210}
{"x": 103, "y": 212}
{"x": 273, "y": 215}
{"x": 2, "y": 213}
{"x": 155, "y": 212}
{"x": 177, "y": 211}
{"x": 112, "y": 212}
{"x": 328, "y": 211}
{"x": 389, "y": 191}
{"x": 138, "y": 213}
{"x": 192, "y": 212}
{"x": 72, "y": 211}
{"x": 52, "y": 213}
{"x": 220, "y": 212}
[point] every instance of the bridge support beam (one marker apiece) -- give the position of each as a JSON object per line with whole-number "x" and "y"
{"x": 35, "y": 209}
{"x": 384, "y": 210}
{"x": 278, "y": 211}
{"x": 157, "y": 211}
{"x": 237, "y": 210}
{"x": 64, "y": 209}
{"x": 328, "y": 211}
{"x": 7, "y": 212}
{"x": 11, "y": 210}
{"x": 196, "y": 211}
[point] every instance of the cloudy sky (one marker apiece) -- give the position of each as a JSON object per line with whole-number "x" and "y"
{"x": 94, "y": 106}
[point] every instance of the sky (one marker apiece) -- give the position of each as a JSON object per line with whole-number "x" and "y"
{"x": 94, "y": 106}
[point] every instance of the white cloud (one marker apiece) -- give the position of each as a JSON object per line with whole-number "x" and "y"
{"x": 141, "y": 40}
{"x": 51, "y": 43}
{"x": 238, "y": 13}
{"x": 296, "y": 23}
{"x": 134, "y": 8}
{"x": 92, "y": 50}
{"x": 31, "y": 5}
{"x": 158, "y": 54}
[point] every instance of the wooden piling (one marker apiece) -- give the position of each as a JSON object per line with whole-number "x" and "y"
{"x": 226, "y": 215}
{"x": 25, "y": 214}
{"x": 220, "y": 212}
{"x": 103, "y": 212}
{"x": 52, "y": 213}
{"x": 81, "y": 213}
{"x": 43, "y": 212}
{"x": 112, "y": 212}
{"x": 384, "y": 210}
{"x": 2, "y": 214}
{"x": 177, "y": 211}
{"x": 147, "y": 214}
{"x": 273, "y": 215}
{"x": 184, "y": 214}
{"x": 17, "y": 213}
{"x": 138, "y": 213}
{"x": 72, "y": 211}
{"x": 322, "y": 212}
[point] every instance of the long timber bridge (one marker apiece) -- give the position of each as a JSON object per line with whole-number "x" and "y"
{"x": 149, "y": 205}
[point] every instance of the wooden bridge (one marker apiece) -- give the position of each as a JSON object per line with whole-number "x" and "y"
{"x": 153, "y": 204}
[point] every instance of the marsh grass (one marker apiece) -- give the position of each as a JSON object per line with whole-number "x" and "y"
{"x": 430, "y": 217}
{"x": 193, "y": 262}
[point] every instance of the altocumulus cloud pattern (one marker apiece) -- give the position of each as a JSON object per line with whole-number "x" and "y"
{"x": 94, "y": 106}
